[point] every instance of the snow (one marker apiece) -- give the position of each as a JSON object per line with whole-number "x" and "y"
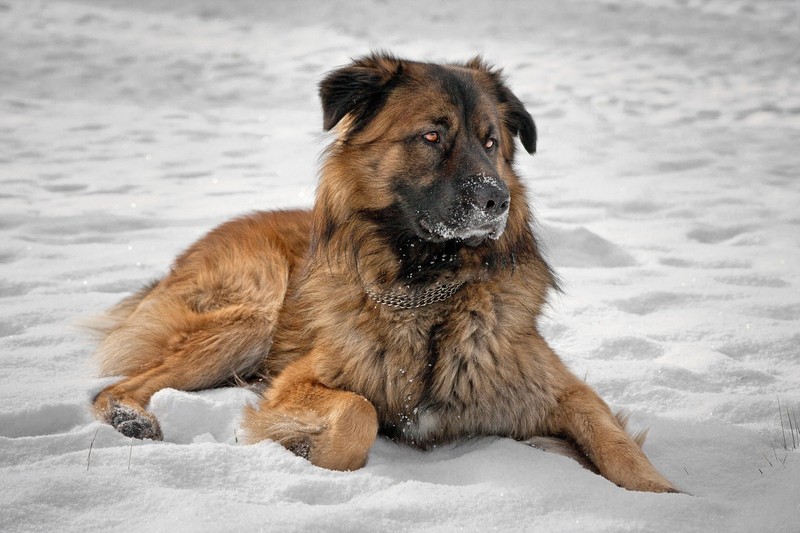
{"x": 666, "y": 188}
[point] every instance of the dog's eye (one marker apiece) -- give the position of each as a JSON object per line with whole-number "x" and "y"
{"x": 431, "y": 137}
{"x": 490, "y": 143}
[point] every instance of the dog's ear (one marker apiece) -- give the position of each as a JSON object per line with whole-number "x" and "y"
{"x": 359, "y": 89}
{"x": 518, "y": 120}
{"x": 515, "y": 116}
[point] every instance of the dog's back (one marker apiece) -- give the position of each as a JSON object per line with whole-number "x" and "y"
{"x": 212, "y": 316}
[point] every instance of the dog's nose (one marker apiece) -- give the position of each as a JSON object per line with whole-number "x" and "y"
{"x": 492, "y": 197}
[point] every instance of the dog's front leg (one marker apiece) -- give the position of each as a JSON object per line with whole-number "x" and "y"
{"x": 584, "y": 417}
{"x": 332, "y": 428}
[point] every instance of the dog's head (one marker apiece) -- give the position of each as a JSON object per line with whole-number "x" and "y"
{"x": 433, "y": 144}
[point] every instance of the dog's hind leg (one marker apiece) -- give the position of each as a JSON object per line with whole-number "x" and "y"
{"x": 332, "y": 428}
{"x": 191, "y": 351}
{"x": 207, "y": 322}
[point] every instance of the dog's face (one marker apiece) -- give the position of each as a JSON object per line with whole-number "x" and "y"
{"x": 437, "y": 142}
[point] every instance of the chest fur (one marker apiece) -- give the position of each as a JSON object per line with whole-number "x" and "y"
{"x": 433, "y": 374}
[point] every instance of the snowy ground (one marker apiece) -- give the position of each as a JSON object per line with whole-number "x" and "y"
{"x": 667, "y": 185}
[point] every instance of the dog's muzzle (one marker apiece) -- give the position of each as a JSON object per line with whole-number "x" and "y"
{"x": 487, "y": 209}
{"x": 480, "y": 212}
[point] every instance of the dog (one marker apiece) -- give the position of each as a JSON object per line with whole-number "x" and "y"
{"x": 404, "y": 303}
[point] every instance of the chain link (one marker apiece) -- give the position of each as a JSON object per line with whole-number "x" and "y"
{"x": 401, "y": 300}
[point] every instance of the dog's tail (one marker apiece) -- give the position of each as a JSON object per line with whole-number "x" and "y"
{"x": 100, "y": 326}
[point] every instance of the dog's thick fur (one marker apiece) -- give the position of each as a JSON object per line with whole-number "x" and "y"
{"x": 417, "y": 197}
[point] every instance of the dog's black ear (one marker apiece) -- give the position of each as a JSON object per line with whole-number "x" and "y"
{"x": 519, "y": 121}
{"x": 359, "y": 89}
{"x": 516, "y": 117}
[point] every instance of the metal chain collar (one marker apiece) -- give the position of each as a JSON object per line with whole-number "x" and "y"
{"x": 404, "y": 300}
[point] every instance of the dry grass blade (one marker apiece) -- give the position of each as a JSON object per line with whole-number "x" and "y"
{"x": 91, "y": 445}
{"x": 783, "y": 430}
{"x": 765, "y": 457}
{"x": 130, "y": 453}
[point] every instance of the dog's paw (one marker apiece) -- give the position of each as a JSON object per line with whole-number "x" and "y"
{"x": 300, "y": 447}
{"x": 134, "y": 423}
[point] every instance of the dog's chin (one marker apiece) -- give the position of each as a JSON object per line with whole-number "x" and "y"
{"x": 471, "y": 236}
{"x": 477, "y": 240}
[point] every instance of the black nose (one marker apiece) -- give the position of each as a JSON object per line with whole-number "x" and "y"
{"x": 492, "y": 197}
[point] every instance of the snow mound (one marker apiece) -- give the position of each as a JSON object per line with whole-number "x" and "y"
{"x": 211, "y": 415}
{"x": 581, "y": 248}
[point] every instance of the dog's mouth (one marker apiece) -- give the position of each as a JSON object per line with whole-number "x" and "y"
{"x": 474, "y": 234}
